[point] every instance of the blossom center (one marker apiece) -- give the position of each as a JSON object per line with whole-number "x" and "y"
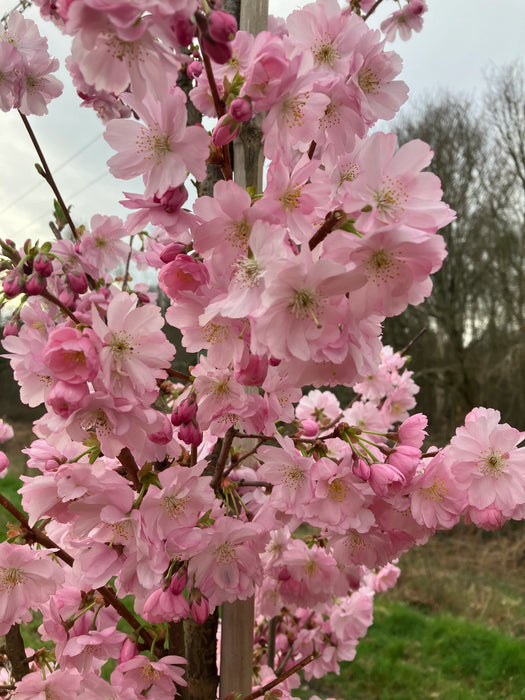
{"x": 294, "y": 477}
{"x": 153, "y": 144}
{"x": 10, "y": 578}
{"x": 368, "y": 81}
{"x": 121, "y": 345}
{"x": 226, "y": 553}
{"x": 150, "y": 673}
{"x": 174, "y": 506}
{"x": 291, "y": 199}
{"x": 293, "y": 112}
{"x": 248, "y": 272}
{"x": 390, "y": 197}
{"x": 305, "y": 303}
{"x": 337, "y": 490}
{"x": 325, "y": 52}
{"x": 492, "y": 463}
{"x": 382, "y": 265}
{"x": 237, "y": 233}
{"x": 436, "y": 492}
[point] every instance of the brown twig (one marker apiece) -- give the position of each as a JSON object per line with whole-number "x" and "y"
{"x": 295, "y": 669}
{"x": 333, "y": 220}
{"x": 48, "y": 177}
{"x": 179, "y": 375}
{"x": 414, "y": 340}
{"x": 223, "y": 456}
{"x": 372, "y": 9}
{"x": 56, "y": 301}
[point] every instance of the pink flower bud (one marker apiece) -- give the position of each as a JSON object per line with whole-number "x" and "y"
{"x": 178, "y": 583}
{"x": 183, "y": 28}
{"x": 199, "y": 607}
{"x": 217, "y": 51}
{"x": 128, "y": 651}
{"x": 43, "y": 265}
{"x": 416, "y": 7}
{"x": 194, "y": 69}
{"x": 253, "y": 371}
{"x": 10, "y": 328}
{"x": 35, "y": 284}
{"x": 241, "y": 110}
{"x": 222, "y": 26}
{"x": 185, "y": 411}
{"x": 77, "y": 282}
{"x": 171, "y": 251}
{"x": 190, "y": 433}
{"x": 225, "y": 131}
{"x": 13, "y": 283}
{"x": 309, "y": 428}
{"x": 361, "y": 469}
{"x": 173, "y": 199}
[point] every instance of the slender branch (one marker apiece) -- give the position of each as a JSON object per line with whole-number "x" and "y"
{"x": 223, "y": 456}
{"x": 128, "y": 261}
{"x": 48, "y": 177}
{"x": 311, "y": 149}
{"x": 179, "y": 375}
{"x": 244, "y": 456}
{"x": 16, "y": 652}
{"x": 246, "y": 482}
{"x": 333, "y": 220}
{"x": 414, "y": 339}
{"x": 272, "y": 632}
{"x": 56, "y": 301}
{"x": 372, "y": 9}
{"x": 295, "y": 669}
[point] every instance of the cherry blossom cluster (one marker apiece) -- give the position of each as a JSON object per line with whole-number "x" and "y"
{"x": 26, "y": 82}
{"x": 184, "y": 491}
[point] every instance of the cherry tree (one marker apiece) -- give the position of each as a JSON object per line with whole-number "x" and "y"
{"x": 167, "y": 510}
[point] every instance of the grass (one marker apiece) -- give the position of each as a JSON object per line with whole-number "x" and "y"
{"x": 452, "y": 628}
{"x": 410, "y": 654}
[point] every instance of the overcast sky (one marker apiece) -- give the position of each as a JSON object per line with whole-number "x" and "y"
{"x": 459, "y": 43}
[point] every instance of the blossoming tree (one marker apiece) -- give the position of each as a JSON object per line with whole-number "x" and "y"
{"x": 167, "y": 509}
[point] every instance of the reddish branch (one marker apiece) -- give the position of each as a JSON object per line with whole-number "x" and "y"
{"x": 295, "y": 669}
{"x": 332, "y": 221}
{"x": 48, "y": 177}
{"x": 372, "y": 9}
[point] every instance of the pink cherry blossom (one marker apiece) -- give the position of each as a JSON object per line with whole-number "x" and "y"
{"x": 162, "y": 149}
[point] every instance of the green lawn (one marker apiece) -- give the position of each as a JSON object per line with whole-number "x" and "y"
{"x": 409, "y": 654}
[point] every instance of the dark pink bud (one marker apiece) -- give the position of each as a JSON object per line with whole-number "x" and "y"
{"x": 77, "y": 282}
{"x": 184, "y": 29}
{"x": 194, "y": 69}
{"x": 173, "y": 199}
{"x": 416, "y": 7}
{"x": 171, "y": 251}
{"x": 178, "y": 583}
{"x": 65, "y": 398}
{"x": 128, "y": 651}
{"x": 43, "y": 265}
{"x": 241, "y": 110}
{"x": 199, "y": 607}
{"x": 309, "y": 428}
{"x": 217, "y": 51}
{"x": 13, "y": 284}
{"x": 10, "y": 328}
{"x": 185, "y": 411}
{"x": 190, "y": 433}
{"x": 361, "y": 469}
{"x": 222, "y": 26}
{"x": 35, "y": 284}
{"x": 225, "y": 131}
